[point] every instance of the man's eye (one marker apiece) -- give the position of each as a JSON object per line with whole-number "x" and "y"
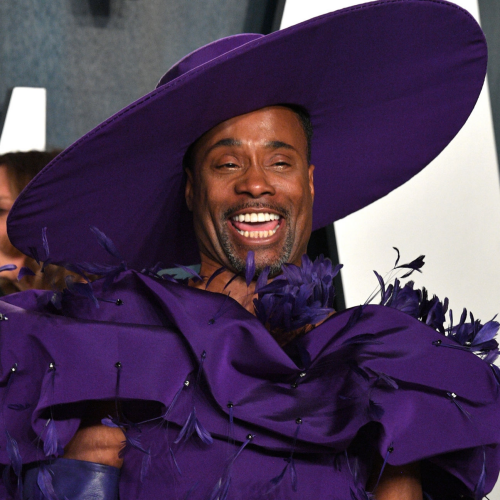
{"x": 228, "y": 165}
{"x": 281, "y": 164}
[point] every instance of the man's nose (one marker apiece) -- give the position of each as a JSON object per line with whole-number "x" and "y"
{"x": 255, "y": 182}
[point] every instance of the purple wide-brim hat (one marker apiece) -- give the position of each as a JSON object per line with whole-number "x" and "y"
{"x": 388, "y": 85}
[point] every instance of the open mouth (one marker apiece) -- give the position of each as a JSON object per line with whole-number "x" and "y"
{"x": 256, "y": 224}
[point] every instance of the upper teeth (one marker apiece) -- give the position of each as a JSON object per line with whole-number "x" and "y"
{"x": 253, "y": 217}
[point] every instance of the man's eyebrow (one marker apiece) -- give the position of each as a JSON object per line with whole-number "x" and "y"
{"x": 279, "y": 145}
{"x": 224, "y": 142}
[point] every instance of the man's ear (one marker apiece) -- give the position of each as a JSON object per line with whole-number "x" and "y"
{"x": 188, "y": 192}
{"x": 311, "y": 180}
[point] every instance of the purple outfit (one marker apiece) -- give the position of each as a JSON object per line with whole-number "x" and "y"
{"x": 301, "y": 424}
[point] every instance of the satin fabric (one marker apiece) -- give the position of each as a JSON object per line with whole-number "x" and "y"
{"x": 378, "y": 386}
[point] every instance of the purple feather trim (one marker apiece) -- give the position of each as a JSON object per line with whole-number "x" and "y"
{"x": 19, "y": 406}
{"x": 51, "y": 445}
{"x": 175, "y": 461}
{"x": 362, "y": 339}
{"x": 146, "y": 463}
{"x": 479, "y": 490}
{"x": 131, "y": 442}
{"x": 106, "y": 243}
{"x": 191, "y": 426}
{"x": 45, "y": 243}
{"x": 375, "y": 411}
{"x": 25, "y": 271}
{"x": 14, "y": 455}
{"x": 453, "y": 399}
{"x": 192, "y": 272}
{"x": 44, "y": 481}
{"x": 250, "y": 267}
{"x": 8, "y": 267}
{"x": 214, "y": 275}
{"x": 82, "y": 289}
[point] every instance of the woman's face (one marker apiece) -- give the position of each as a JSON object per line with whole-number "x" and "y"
{"x": 8, "y": 254}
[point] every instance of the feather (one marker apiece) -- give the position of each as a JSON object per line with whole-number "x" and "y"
{"x": 191, "y": 272}
{"x": 231, "y": 280}
{"x": 214, "y": 275}
{"x": 175, "y": 461}
{"x": 397, "y": 260}
{"x": 18, "y": 406}
{"x": 496, "y": 372}
{"x": 82, "y": 289}
{"x": 25, "y": 271}
{"x": 486, "y": 333}
{"x": 172, "y": 404}
{"x": 7, "y": 481}
{"x": 262, "y": 279}
{"x": 106, "y": 243}
{"x": 293, "y": 474}
{"x": 191, "y": 426}
{"x": 44, "y": 481}
{"x": 51, "y": 445}
{"x": 353, "y": 365}
{"x": 363, "y": 338}
{"x": 13, "y": 453}
{"x": 479, "y": 490}
{"x": 389, "y": 451}
{"x": 250, "y": 267}
{"x": 203, "y": 434}
{"x": 453, "y": 399}
{"x": 110, "y": 422}
{"x": 385, "y": 379}
{"x": 146, "y": 463}
{"x": 33, "y": 252}
{"x": 275, "y": 481}
{"x": 375, "y": 410}
{"x": 45, "y": 243}
{"x": 131, "y": 442}
{"x": 8, "y": 267}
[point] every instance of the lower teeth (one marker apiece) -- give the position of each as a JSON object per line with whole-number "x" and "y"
{"x": 258, "y": 234}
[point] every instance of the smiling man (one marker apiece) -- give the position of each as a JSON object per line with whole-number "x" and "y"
{"x": 242, "y": 383}
{"x": 250, "y": 187}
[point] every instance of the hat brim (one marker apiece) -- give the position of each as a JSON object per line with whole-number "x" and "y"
{"x": 388, "y": 85}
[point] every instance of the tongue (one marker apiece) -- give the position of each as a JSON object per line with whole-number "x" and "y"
{"x": 256, "y": 226}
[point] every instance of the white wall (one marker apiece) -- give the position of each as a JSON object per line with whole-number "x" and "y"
{"x": 450, "y": 212}
{"x": 25, "y": 121}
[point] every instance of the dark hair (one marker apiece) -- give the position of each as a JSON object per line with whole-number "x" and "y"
{"x": 302, "y": 115}
{"x": 23, "y": 166}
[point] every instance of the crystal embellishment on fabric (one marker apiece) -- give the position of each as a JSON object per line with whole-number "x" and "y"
{"x": 3, "y": 317}
{"x": 119, "y": 302}
{"x": 186, "y": 383}
{"x": 390, "y": 449}
{"x": 118, "y": 365}
{"x": 230, "y": 405}
{"x": 298, "y": 420}
{"x": 14, "y": 368}
{"x": 294, "y": 385}
{"x": 453, "y": 395}
{"x": 302, "y": 374}
{"x": 250, "y": 436}
{"x": 52, "y": 366}
{"x": 437, "y": 342}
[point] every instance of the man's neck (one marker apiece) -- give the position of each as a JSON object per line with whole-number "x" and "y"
{"x": 237, "y": 289}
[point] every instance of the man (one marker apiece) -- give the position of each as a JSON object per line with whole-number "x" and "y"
{"x": 185, "y": 390}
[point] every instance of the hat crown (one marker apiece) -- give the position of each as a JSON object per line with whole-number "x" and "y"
{"x": 205, "y": 54}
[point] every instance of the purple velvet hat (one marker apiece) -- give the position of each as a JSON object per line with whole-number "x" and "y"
{"x": 388, "y": 84}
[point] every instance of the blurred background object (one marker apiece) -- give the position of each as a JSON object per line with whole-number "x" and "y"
{"x": 16, "y": 171}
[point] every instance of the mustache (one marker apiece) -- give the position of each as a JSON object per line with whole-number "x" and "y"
{"x": 283, "y": 211}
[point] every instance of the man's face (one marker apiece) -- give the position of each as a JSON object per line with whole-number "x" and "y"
{"x": 251, "y": 188}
